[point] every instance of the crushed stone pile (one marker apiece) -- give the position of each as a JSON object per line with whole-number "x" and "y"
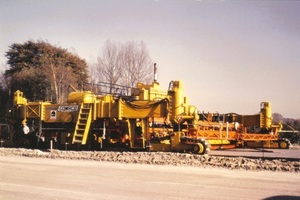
{"x": 162, "y": 158}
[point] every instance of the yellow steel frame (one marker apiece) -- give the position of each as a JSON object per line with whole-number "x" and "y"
{"x": 258, "y": 137}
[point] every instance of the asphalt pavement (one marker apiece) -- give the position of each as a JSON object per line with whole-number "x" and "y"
{"x": 23, "y": 178}
{"x": 291, "y": 154}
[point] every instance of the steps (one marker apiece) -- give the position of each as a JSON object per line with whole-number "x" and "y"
{"x": 170, "y": 107}
{"x": 262, "y": 120}
{"x": 83, "y": 124}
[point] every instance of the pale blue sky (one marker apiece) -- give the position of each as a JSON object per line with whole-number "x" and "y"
{"x": 230, "y": 55}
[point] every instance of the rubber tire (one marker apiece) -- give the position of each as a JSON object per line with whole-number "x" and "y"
{"x": 199, "y": 148}
{"x": 283, "y": 144}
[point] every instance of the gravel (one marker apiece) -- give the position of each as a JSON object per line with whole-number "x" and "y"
{"x": 162, "y": 158}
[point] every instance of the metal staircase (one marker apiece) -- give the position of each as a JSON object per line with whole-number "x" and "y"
{"x": 83, "y": 124}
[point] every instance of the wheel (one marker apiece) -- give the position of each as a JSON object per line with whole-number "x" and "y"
{"x": 199, "y": 148}
{"x": 283, "y": 144}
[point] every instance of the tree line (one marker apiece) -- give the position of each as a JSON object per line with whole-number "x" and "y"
{"x": 43, "y": 71}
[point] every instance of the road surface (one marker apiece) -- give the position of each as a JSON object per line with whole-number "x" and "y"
{"x": 293, "y": 154}
{"x": 41, "y": 178}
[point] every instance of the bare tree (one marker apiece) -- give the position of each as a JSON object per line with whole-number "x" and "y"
{"x": 92, "y": 66}
{"x": 137, "y": 64}
{"x": 277, "y": 117}
{"x": 109, "y": 67}
{"x": 124, "y": 64}
{"x": 60, "y": 81}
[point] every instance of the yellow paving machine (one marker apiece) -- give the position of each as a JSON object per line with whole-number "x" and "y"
{"x": 106, "y": 116}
